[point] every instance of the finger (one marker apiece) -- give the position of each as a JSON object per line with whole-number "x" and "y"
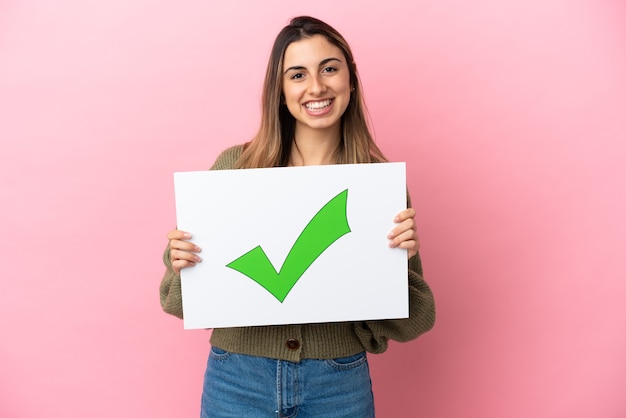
{"x": 406, "y": 225}
{"x": 184, "y": 245}
{"x": 404, "y": 215}
{"x": 178, "y": 234}
{"x": 405, "y": 236}
{"x": 185, "y": 256}
{"x": 182, "y": 259}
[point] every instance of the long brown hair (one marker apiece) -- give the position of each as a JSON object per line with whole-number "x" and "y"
{"x": 271, "y": 147}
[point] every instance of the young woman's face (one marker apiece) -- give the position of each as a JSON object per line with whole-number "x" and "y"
{"x": 316, "y": 84}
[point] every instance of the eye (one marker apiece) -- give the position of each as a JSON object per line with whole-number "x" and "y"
{"x": 296, "y": 76}
{"x": 329, "y": 69}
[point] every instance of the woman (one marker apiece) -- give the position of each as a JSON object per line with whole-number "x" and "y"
{"x": 312, "y": 114}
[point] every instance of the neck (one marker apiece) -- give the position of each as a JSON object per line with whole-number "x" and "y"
{"x": 314, "y": 147}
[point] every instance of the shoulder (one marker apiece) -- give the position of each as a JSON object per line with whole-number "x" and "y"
{"x": 227, "y": 159}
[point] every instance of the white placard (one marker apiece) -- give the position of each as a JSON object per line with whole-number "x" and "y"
{"x": 327, "y": 225}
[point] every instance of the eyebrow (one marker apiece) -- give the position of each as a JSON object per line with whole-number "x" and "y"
{"x": 322, "y": 62}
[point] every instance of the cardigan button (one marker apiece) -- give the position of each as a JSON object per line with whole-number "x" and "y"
{"x": 292, "y": 344}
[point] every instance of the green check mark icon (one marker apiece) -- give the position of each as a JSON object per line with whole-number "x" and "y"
{"x": 328, "y": 225}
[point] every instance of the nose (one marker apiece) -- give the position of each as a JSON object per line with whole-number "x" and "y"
{"x": 316, "y": 85}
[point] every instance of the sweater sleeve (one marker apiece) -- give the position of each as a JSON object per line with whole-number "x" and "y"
{"x": 170, "y": 288}
{"x": 171, "y": 296}
{"x": 375, "y": 335}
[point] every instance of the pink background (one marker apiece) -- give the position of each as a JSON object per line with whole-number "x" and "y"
{"x": 511, "y": 116}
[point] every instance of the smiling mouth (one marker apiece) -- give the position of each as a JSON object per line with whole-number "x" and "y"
{"x": 319, "y": 105}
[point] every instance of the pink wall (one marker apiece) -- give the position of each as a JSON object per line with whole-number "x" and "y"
{"x": 511, "y": 117}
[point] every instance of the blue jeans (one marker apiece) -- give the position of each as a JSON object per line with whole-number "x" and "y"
{"x": 242, "y": 386}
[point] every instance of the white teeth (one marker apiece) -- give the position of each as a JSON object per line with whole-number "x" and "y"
{"x": 318, "y": 105}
